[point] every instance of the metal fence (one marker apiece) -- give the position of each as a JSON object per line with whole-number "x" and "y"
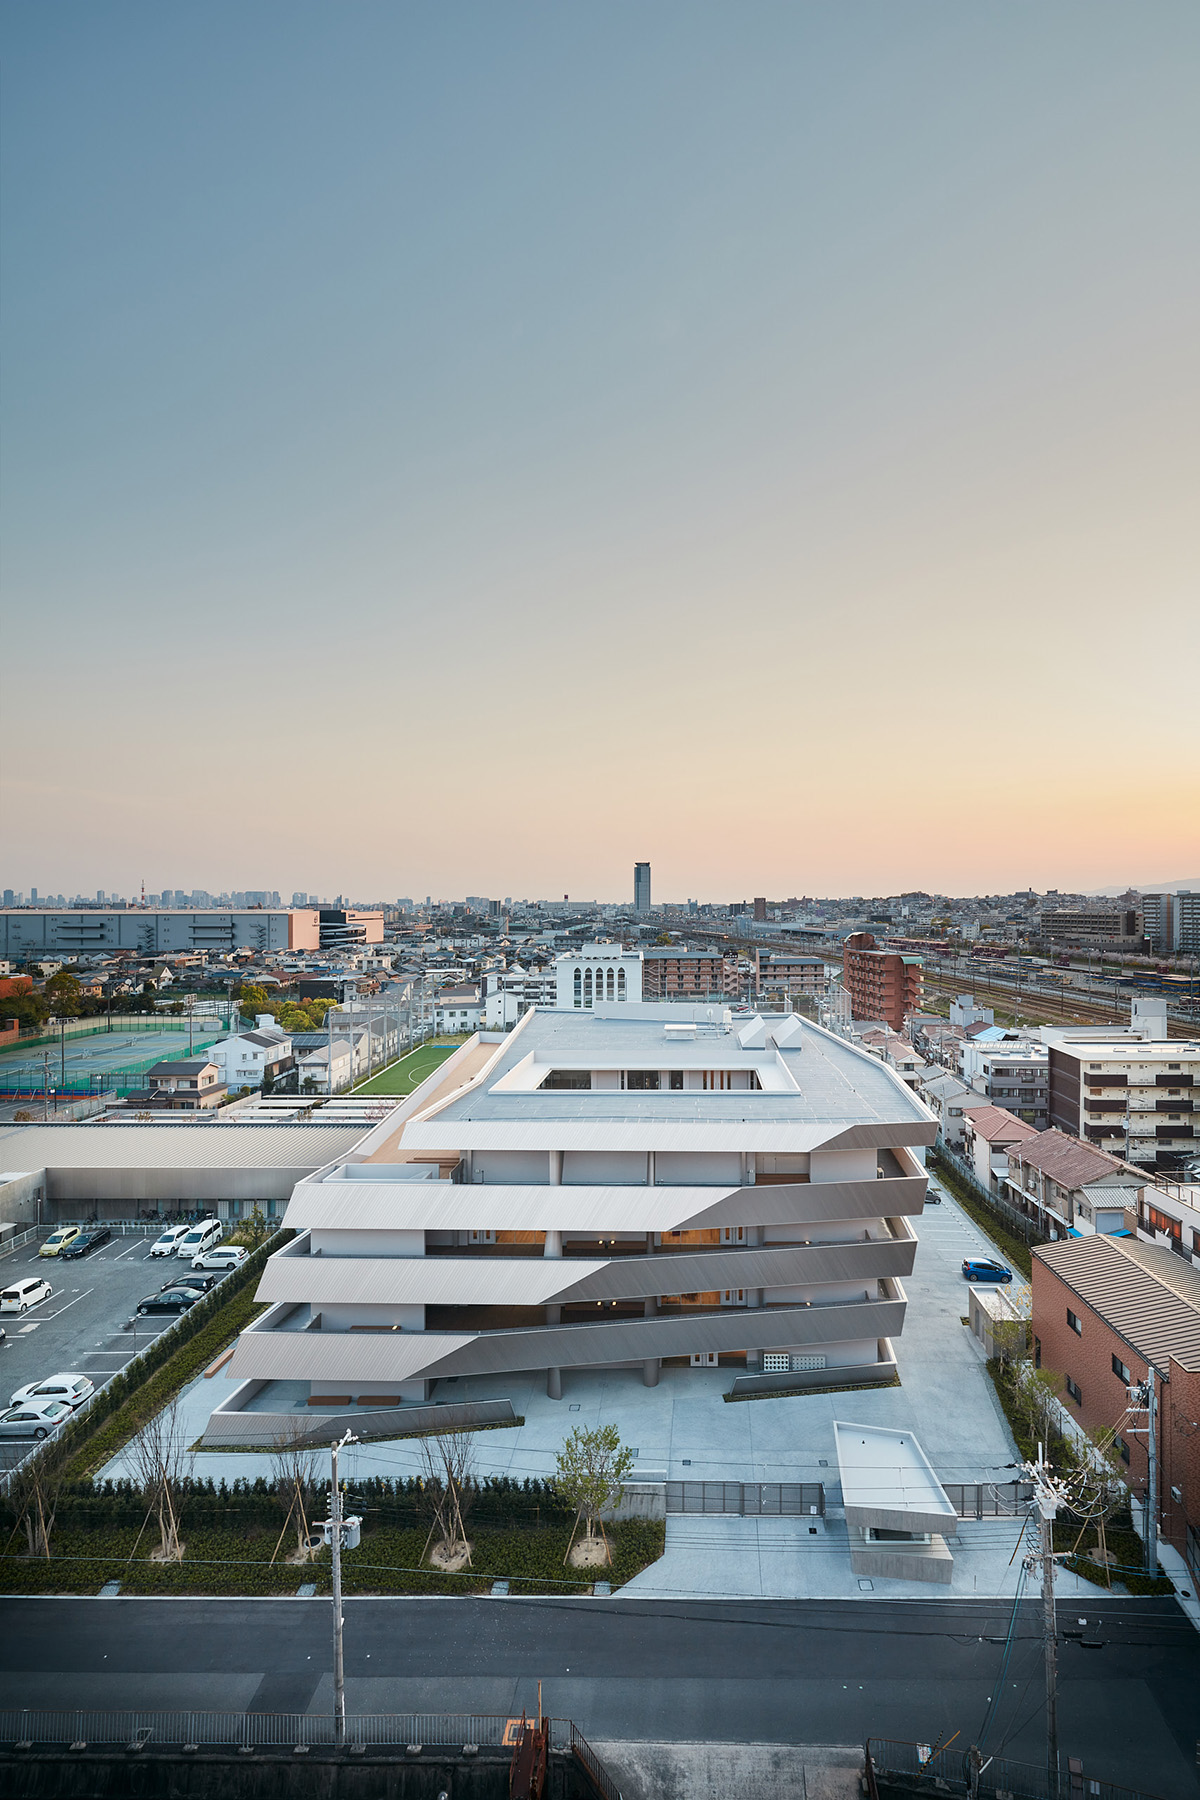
{"x": 285, "y": 1731}
{"x": 17, "y": 1242}
{"x": 1006, "y": 1214}
{"x": 748, "y": 1499}
{"x": 949, "y": 1771}
{"x": 988, "y": 1500}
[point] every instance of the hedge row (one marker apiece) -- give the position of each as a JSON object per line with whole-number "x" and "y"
{"x": 152, "y": 1379}
{"x": 387, "y": 1561}
{"x": 498, "y": 1503}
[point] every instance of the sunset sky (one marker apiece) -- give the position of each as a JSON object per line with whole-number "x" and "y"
{"x": 469, "y": 447}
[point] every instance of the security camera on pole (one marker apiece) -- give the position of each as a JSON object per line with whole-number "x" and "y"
{"x": 339, "y": 1534}
{"x": 1048, "y": 1496}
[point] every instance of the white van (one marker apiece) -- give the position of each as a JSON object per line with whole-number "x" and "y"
{"x": 200, "y": 1238}
{"x": 23, "y": 1294}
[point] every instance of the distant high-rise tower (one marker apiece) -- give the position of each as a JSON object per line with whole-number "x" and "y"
{"x": 641, "y": 887}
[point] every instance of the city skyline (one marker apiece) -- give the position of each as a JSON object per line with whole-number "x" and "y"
{"x": 740, "y": 437}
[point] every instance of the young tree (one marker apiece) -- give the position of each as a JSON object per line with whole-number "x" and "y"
{"x": 590, "y": 1474}
{"x": 160, "y": 1463}
{"x": 294, "y": 1474}
{"x": 253, "y": 1231}
{"x": 33, "y": 1494}
{"x": 448, "y": 1489}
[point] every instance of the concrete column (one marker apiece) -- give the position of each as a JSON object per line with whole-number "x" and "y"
{"x": 650, "y": 1168}
{"x": 554, "y": 1384}
{"x": 650, "y": 1371}
{"x": 554, "y": 1315}
{"x": 553, "y": 1244}
{"x": 754, "y": 1296}
{"x": 556, "y": 1168}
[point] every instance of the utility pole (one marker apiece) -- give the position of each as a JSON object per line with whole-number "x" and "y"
{"x": 1144, "y": 1398}
{"x": 335, "y": 1523}
{"x": 1047, "y": 1497}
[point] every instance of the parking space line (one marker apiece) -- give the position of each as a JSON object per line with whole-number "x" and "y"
{"x": 134, "y": 1246}
{"x": 70, "y": 1304}
{"x": 22, "y": 1329}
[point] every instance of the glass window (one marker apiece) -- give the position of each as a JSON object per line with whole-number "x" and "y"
{"x": 1073, "y": 1322}
{"x": 1120, "y": 1369}
{"x": 642, "y": 1080}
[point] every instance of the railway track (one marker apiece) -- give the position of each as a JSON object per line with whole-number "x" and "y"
{"x": 1059, "y": 1007}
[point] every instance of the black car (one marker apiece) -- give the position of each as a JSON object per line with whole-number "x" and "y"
{"x": 197, "y": 1284}
{"x": 87, "y": 1240}
{"x": 171, "y": 1300}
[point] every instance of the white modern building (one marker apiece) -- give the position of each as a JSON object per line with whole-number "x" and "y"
{"x": 596, "y": 975}
{"x": 633, "y": 1189}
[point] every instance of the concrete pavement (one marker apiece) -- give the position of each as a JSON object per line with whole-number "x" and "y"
{"x": 689, "y": 1672}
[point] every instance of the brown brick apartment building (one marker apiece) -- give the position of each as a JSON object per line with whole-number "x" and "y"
{"x": 676, "y": 974}
{"x": 1104, "y": 1310}
{"x": 882, "y": 984}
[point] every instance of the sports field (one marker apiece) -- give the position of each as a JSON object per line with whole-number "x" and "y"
{"x": 409, "y": 1072}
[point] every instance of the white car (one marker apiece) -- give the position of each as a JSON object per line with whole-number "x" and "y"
{"x": 72, "y": 1390}
{"x": 168, "y": 1243}
{"x": 221, "y": 1256}
{"x": 199, "y": 1238}
{"x": 31, "y": 1290}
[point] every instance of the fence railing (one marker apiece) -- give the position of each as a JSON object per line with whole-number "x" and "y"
{"x": 747, "y": 1499}
{"x": 988, "y": 1500}
{"x": 286, "y": 1731}
{"x": 924, "y": 1766}
{"x": 15, "y": 1243}
{"x": 1006, "y": 1213}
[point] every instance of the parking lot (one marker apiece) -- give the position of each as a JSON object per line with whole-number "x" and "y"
{"x": 88, "y": 1326}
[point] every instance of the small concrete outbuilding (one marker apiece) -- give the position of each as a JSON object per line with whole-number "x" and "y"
{"x": 897, "y": 1512}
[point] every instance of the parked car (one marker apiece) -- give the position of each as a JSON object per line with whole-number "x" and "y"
{"x": 87, "y": 1240}
{"x": 168, "y": 1243}
{"x": 172, "y": 1299}
{"x": 200, "y": 1238}
{"x": 222, "y": 1256}
{"x": 985, "y": 1268}
{"x": 35, "y": 1418}
{"x": 197, "y": 1284}
{"x": 23, "y": 1294}
{"x": 58, "y": 1240}
{"x": 72, "y": 1390}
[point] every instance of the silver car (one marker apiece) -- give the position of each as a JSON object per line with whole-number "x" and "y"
{"x": 33, "y": 1419}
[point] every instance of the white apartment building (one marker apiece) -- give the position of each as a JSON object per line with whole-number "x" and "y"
{"x": 248, "y": 1057}
{"x": 1136, "y": 1097}
{"x": 625, "y": 1190}
{"x": 597, "y": 975}
{"x": 509, "y": 993}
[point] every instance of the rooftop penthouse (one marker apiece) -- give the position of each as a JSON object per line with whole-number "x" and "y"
{"x": 634, "y": 1187}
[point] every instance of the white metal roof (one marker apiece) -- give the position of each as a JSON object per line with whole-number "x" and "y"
{"x": 179, "y": 1146}
{"x": 482, "y": 1206}
{"x": 422, "y": 1280}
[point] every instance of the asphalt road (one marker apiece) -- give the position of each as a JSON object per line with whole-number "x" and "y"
{"x": 82, "y": 1328}
{"x": 773, "y": 1672}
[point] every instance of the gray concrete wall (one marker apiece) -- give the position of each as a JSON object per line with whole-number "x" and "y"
{"x": 19, "y": 1199}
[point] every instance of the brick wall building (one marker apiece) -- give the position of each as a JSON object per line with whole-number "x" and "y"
{"x": 882, "y": 984}
{"x": 1104, "y": 1310}
{"x": 676, "y": 974}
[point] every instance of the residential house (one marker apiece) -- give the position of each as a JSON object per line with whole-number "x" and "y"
{"x": 192, "y": 1086}
{"x": 989, "y": 1134}
{"x": 1069, "y": 1187}
{"x": 947, "y": 1099}
{"x": 254, "y": 1059}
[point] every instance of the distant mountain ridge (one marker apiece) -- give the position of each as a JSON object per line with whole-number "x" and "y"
{"x": 1186, "y": 882}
